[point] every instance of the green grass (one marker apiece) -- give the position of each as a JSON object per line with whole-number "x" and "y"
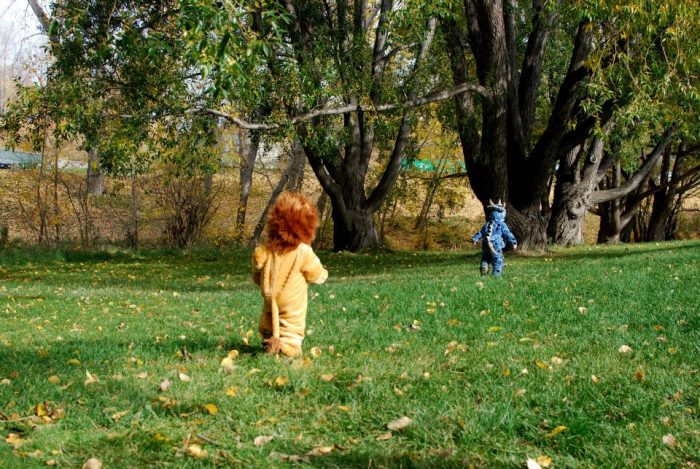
{"x": 461, "y": 376}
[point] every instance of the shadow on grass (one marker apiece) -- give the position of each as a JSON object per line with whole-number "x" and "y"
{"x": 621, "y": 251}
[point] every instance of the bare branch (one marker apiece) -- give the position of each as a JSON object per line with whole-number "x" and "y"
{"x": 411, "y": 103}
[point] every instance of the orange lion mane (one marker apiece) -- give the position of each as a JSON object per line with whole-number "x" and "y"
{"x": 292, "y": 220}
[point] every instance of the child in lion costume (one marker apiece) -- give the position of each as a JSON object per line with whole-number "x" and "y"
{"x": 283, "y": 267}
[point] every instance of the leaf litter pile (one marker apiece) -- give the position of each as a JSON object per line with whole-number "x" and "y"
{"x": 585, "y": 357}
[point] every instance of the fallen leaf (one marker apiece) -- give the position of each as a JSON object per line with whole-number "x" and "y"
{"x": 494, "y": 329}
{"x": 556, "y": 361}
{"x": 639, "y": 374}
{"x": 557, "y": 430}
{"x": 669, "y": 440}
{"x": 51, "y": 462}
{"x": 624, "y": 349}
{"x": 5, "y": 382}
{"x": 165, "y": 385}
{"x": 143, "y": 375}
{"x": 233, "y": 354}
{"x": 532, "y": 464}
{"x": 211, "y": 408}
{"x": 315, "y": 352}
{"x": 54, "y": 379}
{"x": 41, "y": 410}
{"x": 91, "y": 379}
{"x": 541, "y": 364}
{"x": 329, "y": 377}
{"x": 227, "y": 365}
{"x": 320, "y": 451}
{"x": 520, "y": 392}
{"x": 400, "y": 423}
{"x": 287, "y": 457}
{"x": 384, "y": 436}
{"x": 231, "y": 392}
{"x": 544, "y": 461}
{"x": 672, "y": 350}
{"x": 15, "y": 440}
{"x": 184, "y": 377}
{"x": 74, "y": 362}
{"x": 595, "y": 379}
{"x": 344, "y": 408}
{"x": 196, "y": 451}
{"x": 119, "y": 415}
{"x": 582, "y": 309}
{"x": 263, "y": 439}
{"x": 281, "y": 380}
{"x": 92, "y": 463}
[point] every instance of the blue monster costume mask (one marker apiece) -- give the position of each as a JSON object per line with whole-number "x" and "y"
{"x": 495, "y": 236}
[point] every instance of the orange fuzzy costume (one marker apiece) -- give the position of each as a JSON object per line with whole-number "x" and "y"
{"x": 283, "y": 267}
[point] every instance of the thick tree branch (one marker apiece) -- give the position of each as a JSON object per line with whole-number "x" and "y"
{"x": 633, "y": 183}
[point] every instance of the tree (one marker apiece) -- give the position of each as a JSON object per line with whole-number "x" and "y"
{"x": 354, "y": 55}
{"x": 513, "y": 136}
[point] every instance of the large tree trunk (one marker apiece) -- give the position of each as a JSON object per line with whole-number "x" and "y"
{"x": 353, "y": 230}
{"x": 95, "y": 177}
{"x": 529, "y": 228}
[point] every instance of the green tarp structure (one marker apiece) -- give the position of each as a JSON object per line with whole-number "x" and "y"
{"x": 432, "y": 166}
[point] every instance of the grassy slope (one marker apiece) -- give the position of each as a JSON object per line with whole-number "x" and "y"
{"x": 472, "y": 402}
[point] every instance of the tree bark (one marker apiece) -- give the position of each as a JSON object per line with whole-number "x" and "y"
{"x": 95, "y": 177}
{"x": 248, "y": 156}
{"x": 296, "y": 175}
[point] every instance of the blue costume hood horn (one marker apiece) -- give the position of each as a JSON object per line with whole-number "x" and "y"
{"x": 497, "y": 211}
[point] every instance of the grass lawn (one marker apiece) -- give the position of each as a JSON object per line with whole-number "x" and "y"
{"x": 492, "y": 372}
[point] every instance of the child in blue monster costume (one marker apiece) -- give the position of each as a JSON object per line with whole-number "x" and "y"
{"x": 496, "y": 236}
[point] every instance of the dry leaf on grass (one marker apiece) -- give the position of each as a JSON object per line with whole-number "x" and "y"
{"x": 400, "y": 423}
{"x": 165, "y": 385}
{"x": 625, "y": 349}
{"x": 196, "y": 451}
{"x": 556, "y": 431}
{"x": 211, "y": 408}
{"x": 384, "y": 436}
{"x": 15, "y": 440}
{"x": 184, "y": 377}
{"x": 143, "y": 375}
{"x": 544, "y": 461}
{"x": 263, "y": 439}
{"x": 281, "y": 380}
{"x": 315, "y": 352}
{"x": 287, "y": 457}
{"x": 328, "y": 377}
{"x": 92, "y": 463}
{"x": 54, "y": 379}
{"x": 320, "y": 451}
{"x": 91, "y": 379}
{"x": 669, "y": 440}
{"x": 227, "y": 365}
{"x": 119, "y": 415}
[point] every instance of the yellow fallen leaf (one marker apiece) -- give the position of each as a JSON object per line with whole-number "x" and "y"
{"x": 544, "y": 461}
{"x": 143, "y": 375}
{"x": 344, "y": 408}
{"x": 541, "y": 364}
{"x": 74, "y": 362}
{"x": 328, "y": 377}
{"x": 227, "y": 365}
{"x": 400, "y": 423}
{"x": 51, "y": 462}
{"x": 557, "y": 430}
{"x": 233, "y": 354}
{"x": 41, "y": 410}
{"x": 15, "y": 440}
{"x": 119, "y": 415}
{"x": 197, "y": 452}
{"x": 639, "y": 374}
{"x": 184, "y": 377}
{"x": 595, "y": 379}
{"x": 231, "y": 392}
{"x": 281, "y": 380}
{"x": 625, "y": 349}
{"x": 211, "y": 408}
{"x": 384, "y": 436}
{"x": 54, "y": 379}
{"x": 315, "y": 352}
{"x": 494, "y": 328}
{"x": 673, "y": 350}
